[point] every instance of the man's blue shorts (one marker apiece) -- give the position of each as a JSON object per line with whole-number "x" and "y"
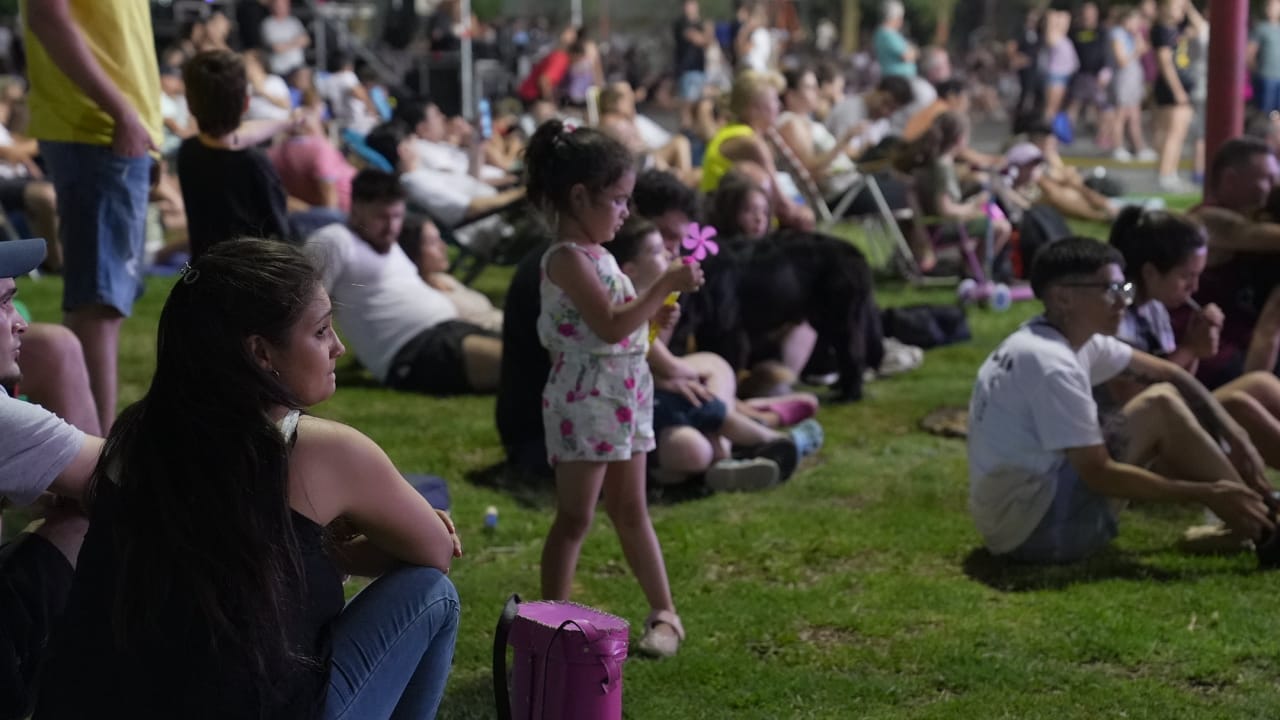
{"x": 1077, "y": 524}
{"x": 102, "y": 213}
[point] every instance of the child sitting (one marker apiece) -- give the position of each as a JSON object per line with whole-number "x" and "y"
{"x": 697, "y": 430}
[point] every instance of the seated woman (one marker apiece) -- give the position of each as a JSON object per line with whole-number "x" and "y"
{"x": 931, "y": 162}
{"x": 222, "y": 521}
{"x": 420, "y": 239}
{"x": 753, "y": 103}
{"x": 739, "y": 208}
{"x": 1061, "y": 186}
{"x": 1164, "y": 255}
{"x": 829, "y": 159}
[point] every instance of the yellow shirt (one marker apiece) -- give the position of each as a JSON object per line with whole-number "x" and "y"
{"x": 714, "y": 164}
{"x": 118, "y": 34}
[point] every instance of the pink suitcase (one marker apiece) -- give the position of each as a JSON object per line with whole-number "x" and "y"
{"x": 567, "y": 665}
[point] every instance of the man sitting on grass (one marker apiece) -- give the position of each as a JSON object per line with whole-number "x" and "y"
{"x": 39, "y": 453}
{"x": 404, "y": 331}
{"x": 1042, "y": 482}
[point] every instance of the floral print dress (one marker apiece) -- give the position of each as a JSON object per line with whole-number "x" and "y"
{"x": 598, "y": 402}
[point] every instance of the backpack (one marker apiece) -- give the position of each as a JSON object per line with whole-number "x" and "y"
{"x": 1040, "y": 226}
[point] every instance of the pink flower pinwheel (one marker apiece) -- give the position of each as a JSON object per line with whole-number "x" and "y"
{"x": 697, "y": 240}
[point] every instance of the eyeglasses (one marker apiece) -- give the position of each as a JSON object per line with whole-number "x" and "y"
{"x": 1116, "y": 291}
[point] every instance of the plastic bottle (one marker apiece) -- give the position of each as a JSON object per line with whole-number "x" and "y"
{"x": 491, "y": 518}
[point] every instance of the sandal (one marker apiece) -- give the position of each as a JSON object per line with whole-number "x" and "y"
{"x": 663, "y": 634}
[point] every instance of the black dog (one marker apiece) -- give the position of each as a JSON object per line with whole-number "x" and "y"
{"x": 755, "y": 288}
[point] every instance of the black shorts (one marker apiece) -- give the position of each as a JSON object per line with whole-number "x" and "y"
{"x": 13, "y": 193}
{"x": 1164, "y": 94}
{"x": 433, "y": 361}
{"x": 35, "y": 580}
{"x": 674, "y": 410}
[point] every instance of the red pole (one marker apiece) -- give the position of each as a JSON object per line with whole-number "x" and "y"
{"x": 1228, "y": 39}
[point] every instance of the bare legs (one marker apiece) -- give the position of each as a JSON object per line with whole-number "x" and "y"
{"x": 482, "y": 360}
{"x": 578, "y": 486}
{"x": 98, "y": 328}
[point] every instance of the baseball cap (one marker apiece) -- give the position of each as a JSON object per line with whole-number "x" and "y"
{"x": 19, "y": 257}
{"x": 1022, "y": 154}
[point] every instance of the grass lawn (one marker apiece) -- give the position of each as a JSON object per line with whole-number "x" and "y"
{"x": 856, "y": 590}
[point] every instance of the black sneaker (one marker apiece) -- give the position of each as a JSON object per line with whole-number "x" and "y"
{"x": 782, "y": 451}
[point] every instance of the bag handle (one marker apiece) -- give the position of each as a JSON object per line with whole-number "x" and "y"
{"x": 501, "y": 695}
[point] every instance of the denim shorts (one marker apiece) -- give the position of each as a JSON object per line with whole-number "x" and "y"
{"x": 691, "y": 84}
{"x": 102, "y": 213}
{"x": 1077, "y": 524}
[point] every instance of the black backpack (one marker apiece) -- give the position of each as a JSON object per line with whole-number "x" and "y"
{"x": 1040, "y": 226}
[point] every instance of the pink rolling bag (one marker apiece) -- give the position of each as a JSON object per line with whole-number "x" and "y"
{"x": 567, "y": 666}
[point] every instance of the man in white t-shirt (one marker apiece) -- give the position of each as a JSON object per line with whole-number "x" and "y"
{"x": 284, "y": 38}
{"x": 403, "y": 331}
{"x": 430, "y": 129}
{"x": 39, "y": 454}
{"x": 1042, "y": 482}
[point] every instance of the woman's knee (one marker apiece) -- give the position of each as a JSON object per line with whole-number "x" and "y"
{"x": 425, "y": 587}
{"x": 684, "y": 449}
{"x": 40, "y": 197}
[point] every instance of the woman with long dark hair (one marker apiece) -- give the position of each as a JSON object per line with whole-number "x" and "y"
{"x": 222, "y": 520}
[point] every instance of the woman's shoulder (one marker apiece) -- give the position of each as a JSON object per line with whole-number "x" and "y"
{"x": 334, "y": 443}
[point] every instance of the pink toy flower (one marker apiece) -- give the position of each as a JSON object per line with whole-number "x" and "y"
{"x": 566, "y": 427}
{"x": 697, "y": 240}
{"x": 623, "y": 414}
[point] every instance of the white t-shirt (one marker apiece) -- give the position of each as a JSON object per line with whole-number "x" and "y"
{"x": 276, "y": 30}
{"x": 10, "y": 170}
{"x": 653, "y": 135}
{"x": 379, "y": 301}
{"x": 35, "y": 447}
{"x": 260, "y": 108}
{"x": 446, "y": 195}
{"x": 1033, "y": 400}
{"x": 761, "y": 53}
{"x": 447, "y": 158}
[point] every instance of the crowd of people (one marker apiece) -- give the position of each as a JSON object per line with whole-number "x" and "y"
{"x": 672, "y": 292}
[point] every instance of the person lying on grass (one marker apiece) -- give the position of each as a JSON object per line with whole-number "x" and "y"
{"x": 1043, "y": 484}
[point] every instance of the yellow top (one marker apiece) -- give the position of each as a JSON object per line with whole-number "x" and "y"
{"x": 714, "y": 164}
{"x": 118, "y": 34}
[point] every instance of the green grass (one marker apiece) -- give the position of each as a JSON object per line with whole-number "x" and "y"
{"x": 855, "y": 590}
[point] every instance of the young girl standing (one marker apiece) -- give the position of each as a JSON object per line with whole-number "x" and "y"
{"x": 598, "y": 402}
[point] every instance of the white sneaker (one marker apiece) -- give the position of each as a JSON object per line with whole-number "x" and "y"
{"x": 743, "y": 475}
{"x": 1122, "y": 155}
{"x": 1175, "y": 184}
{"x": 899, "y": 357}
{"x": 1147, "y": 155}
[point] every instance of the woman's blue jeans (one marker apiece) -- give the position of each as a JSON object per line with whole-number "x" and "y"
{"x": 393, "y": 647}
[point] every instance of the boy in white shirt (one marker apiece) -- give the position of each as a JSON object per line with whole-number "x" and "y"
{"x": 1042, "y": 483}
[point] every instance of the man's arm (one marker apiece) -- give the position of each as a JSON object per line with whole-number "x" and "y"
{"x": 481, "y": 206}
{"x": 1238, "y": 506}
{"x": 73, "y": 481}
{"x": 51, "y": 22}
{"x": 1232, "y": 232}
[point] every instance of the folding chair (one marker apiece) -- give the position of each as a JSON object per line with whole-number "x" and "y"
{"x": 886, "y": 245}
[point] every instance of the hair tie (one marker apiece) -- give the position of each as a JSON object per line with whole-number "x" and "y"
{"x": 188, "y": 273}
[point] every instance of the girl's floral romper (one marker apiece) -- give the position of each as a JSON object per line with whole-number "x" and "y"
{"x": 598, "y": 402}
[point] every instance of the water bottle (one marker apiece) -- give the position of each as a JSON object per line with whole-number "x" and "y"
{"x": 486, "y": 118}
